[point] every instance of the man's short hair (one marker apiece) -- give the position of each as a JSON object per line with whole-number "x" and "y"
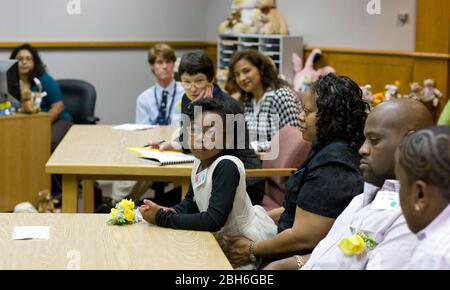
{"x": 425, "y": 155}
{"x": 163, "y": 50}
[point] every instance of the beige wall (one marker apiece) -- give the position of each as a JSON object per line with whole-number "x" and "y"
{"x": 103, "y": 20}
{"x": 119, "y": 75}
{"x": 337, "y": 23}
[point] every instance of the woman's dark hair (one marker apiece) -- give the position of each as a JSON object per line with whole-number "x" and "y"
{"x": 216, "y": 106}
{"x": 341, "y": 111}
{"x": 196, "y": 62}
{"x": 39, "y": 66}
{"x": 266, "y": 68}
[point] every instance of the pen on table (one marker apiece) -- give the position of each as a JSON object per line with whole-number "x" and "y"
{"x": 159, "y": 143}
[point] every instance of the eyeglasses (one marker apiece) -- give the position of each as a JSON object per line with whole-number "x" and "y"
{"x": 302, "y": 108}
{"x": 24, "y": 58}
{"x": 200, "y": 84}
{"x": 206, "y": 132}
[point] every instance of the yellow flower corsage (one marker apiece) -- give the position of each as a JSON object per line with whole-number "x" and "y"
{"x": 357, "y": 243}
{"x": 122, "y": 213}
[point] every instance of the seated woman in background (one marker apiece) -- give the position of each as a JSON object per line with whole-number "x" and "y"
{"x": 332, "y": 118}
{"x": 31, "y": 68}
{"x": 269, "y": 103}
{"x": 217, "y": 199}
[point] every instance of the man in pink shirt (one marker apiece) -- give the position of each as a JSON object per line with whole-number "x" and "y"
{"x": 423, "y": 168}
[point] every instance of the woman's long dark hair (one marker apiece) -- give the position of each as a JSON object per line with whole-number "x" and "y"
{"x": 268, "y": 71}
{"x": 39, "y": 66}
{"x": 341, "y": 111}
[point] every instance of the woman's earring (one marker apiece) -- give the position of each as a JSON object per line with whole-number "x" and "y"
{"x": 417, "y": 208}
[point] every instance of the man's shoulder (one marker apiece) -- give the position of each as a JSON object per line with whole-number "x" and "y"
{"x": 147, "y": 93}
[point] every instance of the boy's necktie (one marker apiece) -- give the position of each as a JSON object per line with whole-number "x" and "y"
{"x": 164, "y": 100}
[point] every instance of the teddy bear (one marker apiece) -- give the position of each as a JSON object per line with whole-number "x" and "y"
{"x": 226, "y": 27}
{"x": 392, "y": 91}
{"x": 430, "y": 94}
{"x": 305, "y": 75}
{"x": 415, "y": 91}
{"x": 244, "y": 14}
{"x": 28, "y": 104}
{"x": 270, "y": 21}
{"x": 254, "y": 17}
{"x": 46, "y": 204}
{"x": 367, "y": 93}
{"x": 377, "y": 98}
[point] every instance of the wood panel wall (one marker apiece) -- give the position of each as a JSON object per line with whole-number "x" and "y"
{"x": 379, "y": 68}
{"x": 375, "y": 67}
{"x": 433, "y": 26}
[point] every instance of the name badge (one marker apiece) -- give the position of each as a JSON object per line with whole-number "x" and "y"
{"x": 386, "y": 200}
{"x": 200, "y": 178}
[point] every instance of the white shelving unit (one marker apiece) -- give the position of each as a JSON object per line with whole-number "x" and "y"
{"x": 278, "y": 47}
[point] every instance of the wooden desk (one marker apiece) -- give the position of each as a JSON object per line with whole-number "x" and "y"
{"x": 90, "y": 152}
{"x": 24, "y": 150}
{"x": 85, "y": 241}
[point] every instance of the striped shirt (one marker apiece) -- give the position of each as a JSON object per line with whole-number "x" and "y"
{"x": 272, "y": 112}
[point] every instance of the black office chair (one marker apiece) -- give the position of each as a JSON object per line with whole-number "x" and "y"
{"x": 79, "y": 100}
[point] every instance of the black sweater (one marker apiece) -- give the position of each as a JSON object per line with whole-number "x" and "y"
{"x": 225, "y": 180}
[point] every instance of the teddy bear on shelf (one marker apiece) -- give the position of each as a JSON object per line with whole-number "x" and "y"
{"x": 270, "y": 21}
{"x": 305, "y": 75}
{"x": 430, "y": 94}
{"x": 226, "y": 27}
{"x": 415, "y": 91}
{"x": 46, "y": 204}
{"x": 244, "y": 15}
{"x": 254, "y": 17}
{"x": 392, "y": 91}
{"x": 367, "y": 93}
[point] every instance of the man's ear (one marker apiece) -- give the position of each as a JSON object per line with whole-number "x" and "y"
{"x": 152, "y": 68}
{"x": 421, "y": 195}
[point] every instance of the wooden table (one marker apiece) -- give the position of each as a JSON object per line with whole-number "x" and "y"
{"x": 97, "y": 152}
{"x": 24, "y": 150}
{"x": 85, "y": 241}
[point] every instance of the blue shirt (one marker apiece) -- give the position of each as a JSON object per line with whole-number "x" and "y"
{"x": 54, "y": 94}
{"x": 147, "y": 105}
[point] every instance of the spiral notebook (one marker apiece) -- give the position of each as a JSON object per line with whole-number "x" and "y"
{"x": 159, "y": 157}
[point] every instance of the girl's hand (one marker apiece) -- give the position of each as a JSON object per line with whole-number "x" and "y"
{"x": 149, "y": 210}
{"x": 173, "y": 146}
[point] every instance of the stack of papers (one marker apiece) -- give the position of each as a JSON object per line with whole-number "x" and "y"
{"x": 133, "y": 127}
{"x": 158, "y": 157}
{"x": 31, "y": 232}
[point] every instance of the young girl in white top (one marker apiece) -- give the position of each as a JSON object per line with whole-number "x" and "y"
{"x": 217, "y": 200}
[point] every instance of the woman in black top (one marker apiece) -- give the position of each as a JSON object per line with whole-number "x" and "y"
{"x": 196, "y": 71}
{"x": 332, "y": 118}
